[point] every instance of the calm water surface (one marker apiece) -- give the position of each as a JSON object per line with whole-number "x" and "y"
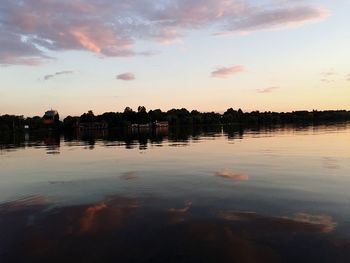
{"x": 197, "y": 195}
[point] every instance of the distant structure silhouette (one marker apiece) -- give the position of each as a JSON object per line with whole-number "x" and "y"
{"x": 51, "y": 117}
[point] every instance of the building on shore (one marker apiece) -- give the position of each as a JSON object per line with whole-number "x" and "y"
{"x": 156, "y": 124}
{"x": 51, "y": 117}
{"x": 140, "y": 126}
{"x": 161, "y": 124}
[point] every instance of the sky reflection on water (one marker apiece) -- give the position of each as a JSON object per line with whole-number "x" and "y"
{"x": 196, "y": 195}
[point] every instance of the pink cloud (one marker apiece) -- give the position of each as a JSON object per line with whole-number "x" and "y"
{"x": 126, "y": 76}
{"x": 267, "y": 90}
{"x": 86, "y": 41}
{"x": 224, "y": 72}
{"x": 110, "y": 28}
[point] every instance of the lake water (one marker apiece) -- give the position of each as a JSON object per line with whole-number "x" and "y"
{"x": 214, "y": 194}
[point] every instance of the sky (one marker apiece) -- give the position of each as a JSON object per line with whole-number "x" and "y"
{"x": 209, "y": 55}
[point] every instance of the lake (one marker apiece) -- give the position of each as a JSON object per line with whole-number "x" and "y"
{"x": 208, "y": 194}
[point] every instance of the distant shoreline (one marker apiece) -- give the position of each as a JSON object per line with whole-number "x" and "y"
{"x": 143, "y": 119}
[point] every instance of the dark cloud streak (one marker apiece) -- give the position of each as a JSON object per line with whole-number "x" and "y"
{"x": 65, "y": 72}
{"x": 267, "y": 90}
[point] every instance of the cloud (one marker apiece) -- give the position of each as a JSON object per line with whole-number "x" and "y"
{"x": 237, "y": 176}
{"x": 267, "y": 90}
{"x": 327, "y": 80}
{"x": 32, "y": 28}
{"x": 328, "y": 73}
{"x": 254, "y": 18}
{"x": 50, "y": 76}
{"x": 224, "y": 72}
{"x": 126, "y": 76}
{"x": 14, "y": 50}
{"x": 348, "y": 77}
{"x": 328, "y": 76}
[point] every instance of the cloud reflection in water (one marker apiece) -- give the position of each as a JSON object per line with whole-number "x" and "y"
{"x": 142, "y": 230}
{"x": 129, "y": 176}
{"x": 229, "y": 174}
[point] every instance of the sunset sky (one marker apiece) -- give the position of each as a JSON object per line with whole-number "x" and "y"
{"x": 104, "y": 55}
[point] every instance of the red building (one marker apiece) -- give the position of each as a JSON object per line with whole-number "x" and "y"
{"x": 51, "y": 117}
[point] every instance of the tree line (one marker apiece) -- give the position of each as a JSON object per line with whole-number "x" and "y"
{"x": 177, "y": 117}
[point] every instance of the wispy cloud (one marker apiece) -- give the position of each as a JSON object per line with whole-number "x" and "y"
{"x": 126, "y": 76}
{"x": 348, "y": 77}
{"x": 273, "y": 18}
{"x": 111, "y": 28}
{"x": 224, "y": 72}
{"x": 328, "y": 76}
{"x": 267, "y": 90}
{"x": 327, "y": 80}
{"x": 65, "y": 72}
{"x": 328, "y": 73}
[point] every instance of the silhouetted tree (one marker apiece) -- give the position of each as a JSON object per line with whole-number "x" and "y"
{"x": 129, "y": 115}
{"x": 157, "y": 115}
{"x": 142, "y": 115}
{"x": 88, "y": 117}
